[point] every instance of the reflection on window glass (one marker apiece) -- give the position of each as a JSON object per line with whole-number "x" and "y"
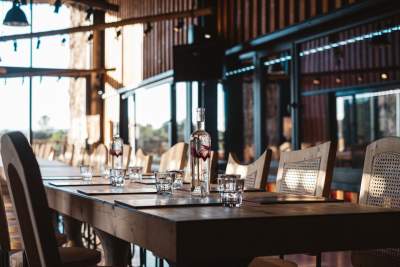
{"x": 364, "y": 118}
{"x": 14, "y": 91}
{"x": 152, "y": 119}
{"x": 180, "y": 111}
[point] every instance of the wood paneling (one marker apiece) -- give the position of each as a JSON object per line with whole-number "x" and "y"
{"x": 237, "y": 21}
{"x": 157, "y": 45}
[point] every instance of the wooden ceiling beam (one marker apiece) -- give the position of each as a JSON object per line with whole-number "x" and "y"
{"x": 96, "y": 4}
{"x": 103, "y": 26}
{"x": 14, "y": 72}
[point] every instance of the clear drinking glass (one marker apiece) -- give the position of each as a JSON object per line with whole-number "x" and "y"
{"x": 135, "y": 173}
{"x": 104, "y": 171}
{"x": 86, "y": 172}
{"x": 163, "y": 183}
{"x": 231, "y": 190}
{"x": 117, "y": 177}
{"x": 177, "y": 178}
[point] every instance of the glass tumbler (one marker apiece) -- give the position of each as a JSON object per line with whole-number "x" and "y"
{"x": 117, "y": 177}
{"x": 177, "y": 178}
{"x": 86, "y": 172}
{"x": 163, "y": 183}
{"x": 135, "y": 173}
{"x": 231, "y": 187}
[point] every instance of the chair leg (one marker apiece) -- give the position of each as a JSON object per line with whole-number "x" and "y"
{"x": 4, "y": 258}
{"x": 25, "y": 261}
{"x": 143, "y": 258}
{"x": 318, "y": 259}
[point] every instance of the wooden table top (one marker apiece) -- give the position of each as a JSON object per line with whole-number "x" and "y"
{"x": 194, "y": 236}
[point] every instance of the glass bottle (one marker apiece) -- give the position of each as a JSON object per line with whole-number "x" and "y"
{"x": 116, "y": 149}
{"x": 200, "y": 145}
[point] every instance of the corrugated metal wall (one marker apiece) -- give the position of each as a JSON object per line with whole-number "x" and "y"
{"x": 243, "y": 20}
{"x": 238, "y": 21}
{"x": 157, "y": 45}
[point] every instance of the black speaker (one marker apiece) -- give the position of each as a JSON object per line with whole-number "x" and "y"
{"x": 198, "y": 62}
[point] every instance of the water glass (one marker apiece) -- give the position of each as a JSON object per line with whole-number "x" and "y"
{"x": 163, "y": 183}
{"x": 117, "y": 177}
{"x": 177, "y": 178}
{"x": 232, "y": 187}
{"x": 135, "y": 173}
{"x": 104, "y": 171}
{"x": 86, "y": 172}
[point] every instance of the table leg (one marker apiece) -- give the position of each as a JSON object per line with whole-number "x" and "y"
{"x": 116, "y": 251}
{"x": 73, "y": 230}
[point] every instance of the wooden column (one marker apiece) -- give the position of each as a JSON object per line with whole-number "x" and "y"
{"x": 95, "y": 102}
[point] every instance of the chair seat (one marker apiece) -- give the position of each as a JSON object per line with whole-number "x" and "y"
{"x": 372, "y": 258}
{"x": 79, "y": 257}
{"x": 70, "y": 257}
{"x": 271, "y": 262}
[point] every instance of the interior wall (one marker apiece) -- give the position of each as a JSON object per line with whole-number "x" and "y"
{"x": 158, "y": 43}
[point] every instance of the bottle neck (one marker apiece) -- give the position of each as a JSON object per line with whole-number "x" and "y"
{"x": 201, "y": 125}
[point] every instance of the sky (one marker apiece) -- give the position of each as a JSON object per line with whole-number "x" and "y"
{"x": 50, "y": 95}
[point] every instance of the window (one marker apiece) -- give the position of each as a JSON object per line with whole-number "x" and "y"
{"x": 363, "y": 118}
{"x": 181, "y": 113}
{"x": 153, "y": 114}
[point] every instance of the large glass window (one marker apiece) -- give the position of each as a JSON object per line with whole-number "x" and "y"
{"x": 153, "y": 114}
{"x": 14, "y": 117}
{"x": 181, "y": 113}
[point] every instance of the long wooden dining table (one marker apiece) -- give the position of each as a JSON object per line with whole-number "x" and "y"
{"x": 213, "y": 235}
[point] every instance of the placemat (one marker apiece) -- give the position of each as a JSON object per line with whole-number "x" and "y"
{"x": 46, "y": 178}
{"x": 80, "y": 183}
{"x": 289, "y": 199}
{"x": 116, "y": 191}
{"x": 169, "y": 202}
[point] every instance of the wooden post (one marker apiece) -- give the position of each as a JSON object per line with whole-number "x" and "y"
{"x": 96, "y": 105}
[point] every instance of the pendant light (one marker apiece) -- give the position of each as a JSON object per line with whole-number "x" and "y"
{"x": 15, "y": 16}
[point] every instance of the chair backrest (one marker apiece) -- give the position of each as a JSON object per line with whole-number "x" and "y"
{"x": 10, "y": 239}
{"x": 308, "y": 171}
{"x": 127, "y": 149}
{"x": 174, "y": 158}
{"x": 42, "y": 149}
{"x": 213, "y": 169}
{"x": 255, "y": 174}
{"x": 380, "y": 184}
{"x": 29, "y": 199}
{"x": 4, "y": 234}
{"x": 68, "y": 154}
{"x": 99, "y": 157}
{"x": 47, "y": 150}
{"x": 142, "y": 160}
{"x": 78, "y": 156}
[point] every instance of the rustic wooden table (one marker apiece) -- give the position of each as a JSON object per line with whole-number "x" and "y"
{"x": 221, "y": 236}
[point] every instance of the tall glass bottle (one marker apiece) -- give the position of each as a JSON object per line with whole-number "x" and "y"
{"x": 200, "y": 148}
{"x": 116, "y": 149}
